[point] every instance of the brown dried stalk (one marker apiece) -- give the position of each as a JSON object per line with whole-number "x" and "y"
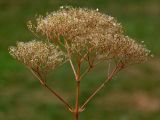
{"x": 111, "y": 75}
{"x": 79, "y": 36}
{"x": 44, "y": 84}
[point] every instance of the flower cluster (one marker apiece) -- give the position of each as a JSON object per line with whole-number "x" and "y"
{"x": 82, "y": 31}
{"x": 89, "y": 31}
{"x": 125, "y": 49}
{"x": 79, "y": 27}
{"x": 37, "y": 55}
{"x": 80, "y": 36}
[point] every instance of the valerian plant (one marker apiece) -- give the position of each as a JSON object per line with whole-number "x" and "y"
{"x": 77, "y": 36}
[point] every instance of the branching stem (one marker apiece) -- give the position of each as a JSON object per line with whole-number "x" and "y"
{"x": 43, "y": 83}
{"x": 73, "y": 68}
{"x": 70, "y": 60}
{"x": 85, "y": 72}
{"x": 116, "y": 69}
{"x": 77, "y": 100}
{"x": 58, "y": 96}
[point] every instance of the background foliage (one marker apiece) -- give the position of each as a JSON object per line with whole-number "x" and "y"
{"x": 133, "y": 95}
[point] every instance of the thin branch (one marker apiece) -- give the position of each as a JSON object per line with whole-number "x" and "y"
{"x": 85, "y": 55}
{"x": 37, "y": 76}
{"x": 59, "y": 97}
{"x": 71, "y": 63}
{"x": 85, "y": 72}
{"x": 88, "y": 59}
{"x": 73, "y": 68}
{"x": 102, "y": 60}
{"x": 52, "y": 91}
{"x": 80, "y": 55}
{"x": 109, "y": 66}
{"x": 117, "y": 68}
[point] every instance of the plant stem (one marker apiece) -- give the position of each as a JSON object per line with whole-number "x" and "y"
{"x": 70, "y": 60}
{"x": 77, "y": 100}
{"x": 101, "y": 86}
{"x": 85, "y": 72}
{"x": 76, "y": 112}
{"x": 50, "y": 89}
{"x": 58, "y": 96}
{"x": 74, "y": 71}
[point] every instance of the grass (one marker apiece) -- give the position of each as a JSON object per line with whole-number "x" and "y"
{"x": 22, "y": 97}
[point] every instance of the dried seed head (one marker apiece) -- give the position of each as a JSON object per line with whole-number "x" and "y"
{"x": 37, "y": 55}
{"x": 130, "y": 52}
{"x": 89, "y": 31}
{"x": 78, "y": 26}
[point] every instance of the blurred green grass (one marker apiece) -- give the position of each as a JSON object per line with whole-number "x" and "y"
{"x": 133, "y": 95}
